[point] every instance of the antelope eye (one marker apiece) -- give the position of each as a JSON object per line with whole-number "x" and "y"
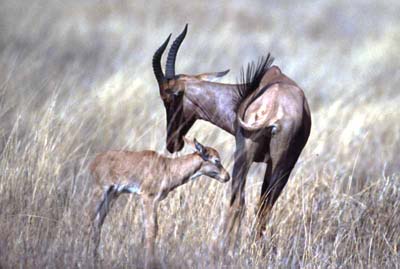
{"x": 178, "y": 93}
{"x": 216, "y": 161}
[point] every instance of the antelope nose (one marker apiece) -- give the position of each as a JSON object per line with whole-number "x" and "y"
{"x": 170, "y": 148}
{"x": 226, "y": 177}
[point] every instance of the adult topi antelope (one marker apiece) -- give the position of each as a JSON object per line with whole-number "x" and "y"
{"x": 152, "y": 177}
{"x": 267, "y": 113}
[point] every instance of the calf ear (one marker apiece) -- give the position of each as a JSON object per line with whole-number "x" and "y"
{"x": 212, "y": 76}
{"x": 198, "y": 147}
{"x": 201, "y": 149}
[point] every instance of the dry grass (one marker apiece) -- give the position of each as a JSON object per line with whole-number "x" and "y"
{"x": 76, "y": 79}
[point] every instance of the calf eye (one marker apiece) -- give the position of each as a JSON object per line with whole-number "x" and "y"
{"x": 216, "y": 161}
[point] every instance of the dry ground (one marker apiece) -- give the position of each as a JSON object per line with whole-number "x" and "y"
{"x": 76, "y": 79}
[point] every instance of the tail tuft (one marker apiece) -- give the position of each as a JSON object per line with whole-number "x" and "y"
{"x": 250, "y": 77}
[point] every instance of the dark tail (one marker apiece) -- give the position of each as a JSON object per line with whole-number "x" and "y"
{"x": 250, "y": 77}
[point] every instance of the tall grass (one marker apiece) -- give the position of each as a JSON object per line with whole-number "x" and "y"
{"x": 76, "y": 79}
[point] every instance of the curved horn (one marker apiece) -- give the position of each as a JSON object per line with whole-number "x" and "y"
{"x": 170, "y": 68}
{"x": 157, "y": 62}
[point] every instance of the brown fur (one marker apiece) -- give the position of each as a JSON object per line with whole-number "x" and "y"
{"x": 151, "y": 176}
{"x": 271, "y": 125}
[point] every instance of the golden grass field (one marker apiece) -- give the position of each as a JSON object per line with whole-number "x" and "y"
{"x": 76, "y": 79}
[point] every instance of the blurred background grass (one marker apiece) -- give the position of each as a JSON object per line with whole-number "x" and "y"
{"x": 76, "y": 79}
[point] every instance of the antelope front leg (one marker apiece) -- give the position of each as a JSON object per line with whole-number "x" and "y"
{"x": 151, "y": 227}
{"x": 235, "y": 210}
{"x": 244, "y": 156}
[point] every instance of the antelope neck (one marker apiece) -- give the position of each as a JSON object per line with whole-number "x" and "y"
{"x": 214, "y": 102}
{"x": 181, "y": 169}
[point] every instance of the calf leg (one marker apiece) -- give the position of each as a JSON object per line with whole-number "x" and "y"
{"x": 100, "y": 214}
{"x": 151, "y": 228}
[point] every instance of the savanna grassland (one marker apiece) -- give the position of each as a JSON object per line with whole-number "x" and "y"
{"x": 76, "y": 79}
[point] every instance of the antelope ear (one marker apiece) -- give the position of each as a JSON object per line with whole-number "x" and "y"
{"x": 175, "y": 92}
{"x": 196, "y": 146}
{"x": 212, "y": 76}
{"x": 201, "y": 150}
{"x": 174, "y": 88}
{"x": 199, "y": 147}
